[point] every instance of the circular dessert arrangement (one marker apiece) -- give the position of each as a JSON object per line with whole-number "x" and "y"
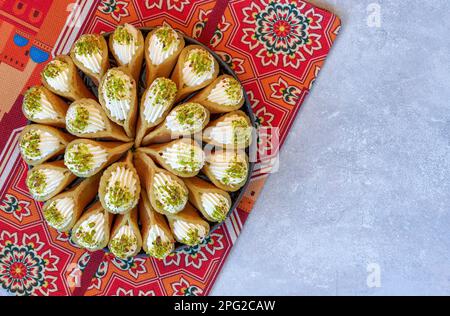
{"x": 138, "y": 141}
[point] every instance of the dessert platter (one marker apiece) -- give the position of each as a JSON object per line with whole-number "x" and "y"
{"x": 138, "y": 141}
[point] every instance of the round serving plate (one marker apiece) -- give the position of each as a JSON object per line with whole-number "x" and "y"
{"x": 224, "y": 68}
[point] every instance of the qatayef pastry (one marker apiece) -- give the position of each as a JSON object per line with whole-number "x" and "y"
{"x": 86, "y": 118}
{"x": 188, "y": 227}
{"x": 93, "y": 229}
{"x": 162, "y": 47}
{"x": 225, "y": 94}
{"x": 127, "y": 46}
{"x": 47, "y": 180}
{"x": 62, "y": 211}
{"x": 42, "y": 106}
{"x": 90, "y": 54}
{"x": 167, "y": 193}
{"x": 227, "y": 170}
{"x": 86, "y": 157}
{"x": 155, "y": 104}
{"x": 61, "y": 77}
{"x": 185, "y": 119}
{"x": 39, "y": 143}
{"x": 196, "y": 68}
{"x": 232, "y": 130}
{"x": 118, "y": 96}
{"x": 126, "y": 240}
{"x": 157, "y": 239}
{"x": 120, "y": 187}
{"x": 212, "y": 202}
{"x": 183, "y": 157}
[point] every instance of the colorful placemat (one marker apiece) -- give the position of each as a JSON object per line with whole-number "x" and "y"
{"x": 277, "y": 49}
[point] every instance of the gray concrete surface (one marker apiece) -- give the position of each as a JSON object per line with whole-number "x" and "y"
{"x": 364, "y": 179}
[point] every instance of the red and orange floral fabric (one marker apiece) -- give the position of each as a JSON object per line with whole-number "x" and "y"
{"x": 277, "y": 49}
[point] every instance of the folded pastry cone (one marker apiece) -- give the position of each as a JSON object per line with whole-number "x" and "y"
{"x": 48, "y": 179}
{"x": 211, "y": 201}
{"x": 127, "y": 46}
{"x": 183, "y": 157}
{"x": 167, "y": 193}
{"x": 225, "y": 94}
{"x": 156, "y": 102}
{"x": 63, "y": 210}
{"x": 188, "y": 227}
{"x": 120, "y": 186}
{"x": 39, "y": 143}
{"x": 125, "y": 240}
{"x": 93, "y": 229}
{"x": 42, "y": 106}
{"x": 163, "y": 45}
{"x": 185, "y": 119}
{"x": 117, "y": 94}
{"x": 86, "y": 118}
{"x": 228, "y": 170}
{"x": 196, "y": 68}
{"x": 61, "y": 77}
{"x": 232, "y": 130}
{"x": 157, "y": 239}
{"x": 90, "y": 54}
{"x": 85, "y": 157}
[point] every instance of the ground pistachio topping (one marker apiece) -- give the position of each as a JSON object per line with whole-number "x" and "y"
{"x": 233, "y": 89}
{"x": 200, "y": 61}
{"x": 80, "y": 157}
{"x": 167, "y": 36}
{"x": 122, "y": 36}
{"x": 164, "y": 89}
{"x": 240, "y": 130}
{"x": 193, "y": 237}
{"x": 119, "y": 195}
{"x": 87, "y": 45}
{"x": 236, "y": 170}
{"x": 81, "y": 120}
{"x": 220, "y": 212}
{"x": 116, "y": 87}
{"x": 53, "y": 215}
{"x": 37, "y": 181}
{"x": 87, "y": 237}
{"x": 123, "y": 245}
{"x": 29, "y": 144}
{"x": 190, "y": 161}
{"x": 32, "y": 101}
{"x": 54, "y": 68}
{"x": 159, "y": 248}
{"x": 190, "y": 114}
{"x": 172, "y": 194}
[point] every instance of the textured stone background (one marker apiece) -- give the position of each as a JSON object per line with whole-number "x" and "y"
{"x": 365, "y": 174}
{"x": 364, "y": 179}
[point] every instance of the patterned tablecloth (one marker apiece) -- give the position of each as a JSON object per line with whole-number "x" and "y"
{"x": 277, "y": 48}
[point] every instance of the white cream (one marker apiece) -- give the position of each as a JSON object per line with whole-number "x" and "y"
{"x": 219, "y": 166}
{"x": 95, "y": 122}
{"x": 125, "y": 231}
{"x": 156, "y": 50}
{"x": 125, "y": 52}
{"x": 182, "y": 231}
{"x": 210, "y": 201}
{"x": 127, "y": 180}
{"x": 179, "y": 156}
{"x": 160, "y": 183}
{"x": 173, "y": 124}
{"x": 53, "y": 179}
{"x": 65, "y": 207}
{"x": 99, "y": 156}
{"x": 190, "y": 77}
{"x": 224, "y": 132}
{"x": 98, "y": 221}
{"x": 92, "y": 61}
{"x": 61, "y": 82}
{"x": 118, "y": 108}
{"x": 48, "y": 144}
{"x": 158, "y": 101}
{"x": 46, "y": 110}
{"x": 219, "y": 93}
{"x": 154, "y": 233}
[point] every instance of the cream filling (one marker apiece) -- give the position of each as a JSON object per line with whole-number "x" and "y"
{"x": 127, "y": 231}
{"x": 161, "y": 180}
{"x": 126, "y": 180}
{"x": 53, "y": 179}
{"x": 154, "y": 110}
{"x": 224, "y": 132}
{"x": 125, "y": 52}
{"x": 61, "y": 82}
{"x": 119, "y": 109}
{"x": 154, "y": 233}
{"x": 95, "y": 121}
{"x": 175, "y": 126}
{"x": 182, "y": 230}
{"x": 65, "y": 207}
{"x": 220, "y": 96}
{"x": 211, "y": 201}
{"x": 219, "y": 167}
{"x": 47, "y": 112}
{"x": 48, "y": 144}
{"x": 179, "y": 157}
{"x": 99, "y": 156}
{"x": 97, "y": 221}
{"x": 156, "y": 51}
{"x": 192, "y": 79}
{"x": 92, "y": 61}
